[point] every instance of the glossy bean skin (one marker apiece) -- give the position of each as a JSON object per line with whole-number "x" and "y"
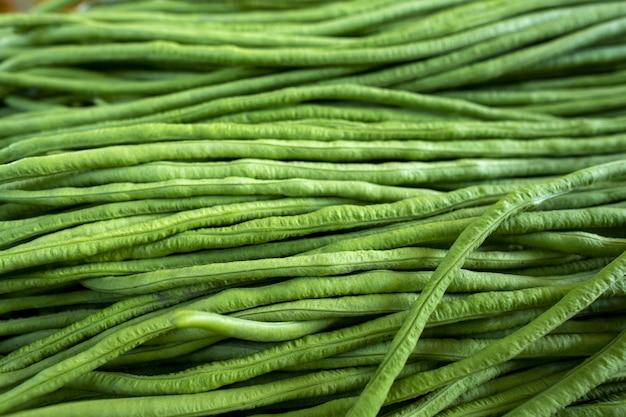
{"x": 243, "y": 328}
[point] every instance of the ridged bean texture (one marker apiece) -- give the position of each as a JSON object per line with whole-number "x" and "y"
{"x": 360, "y": 208}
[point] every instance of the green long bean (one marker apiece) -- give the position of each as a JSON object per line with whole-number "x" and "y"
{"x": 306, "y": 208}
{"x": 487, "y": 70}
{"x": 374, "y": 394}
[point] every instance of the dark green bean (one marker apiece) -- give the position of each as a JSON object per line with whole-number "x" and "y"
{"x": 43, "y": 321}
{"x": 461, "y": 49}
{"x": 55, "y": 300}
{"x": 26, "y": 228}
{"x": 50, "y": 120}
{"x": 496, "y": 67}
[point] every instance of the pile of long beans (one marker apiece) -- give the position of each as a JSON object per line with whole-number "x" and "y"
{"x": 313, "y": 208}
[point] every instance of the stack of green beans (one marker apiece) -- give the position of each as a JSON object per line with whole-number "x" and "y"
{"x": 313, "y": 208}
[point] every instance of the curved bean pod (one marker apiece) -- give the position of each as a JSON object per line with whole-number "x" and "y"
{"x": 245, "y": 329}
{"x": 313, "y": 347}
{"x": 373, "y": 395}
{"x": 592, "y": 372}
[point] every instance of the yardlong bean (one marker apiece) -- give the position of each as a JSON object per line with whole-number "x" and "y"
{"x": 217, "y": 402}
{"x": 42, "y": 301}
{"x": 572, "y": 242}
{"x": 50, "y": 120}
{"x": 285, "y": 354}
{"x": 50, "y": 321}
{"x": 164, "y": 49}
{"x": 306, "y": 208}
{"x": 434, "y": 403}
{"x": 581, "y": 379}
{"x": 489, "y": 70}
{"x": 413, "y": 174}
{"x": 573, "y": 300}
{"x": 318, "y": 264}
{"x": 233, "y": 186}
{"x": 22, "y": 229}
{"x": 431, "y": 130}
{"x": 482, "y": 42}
{"x": 117, "y": 86}
{"x": 369, "y": 404}
{"x": 94, "y": 324}
{"x": 141, "y": 230}
{"x": 604, "y": 58}
{"x": 329, "y": 144}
